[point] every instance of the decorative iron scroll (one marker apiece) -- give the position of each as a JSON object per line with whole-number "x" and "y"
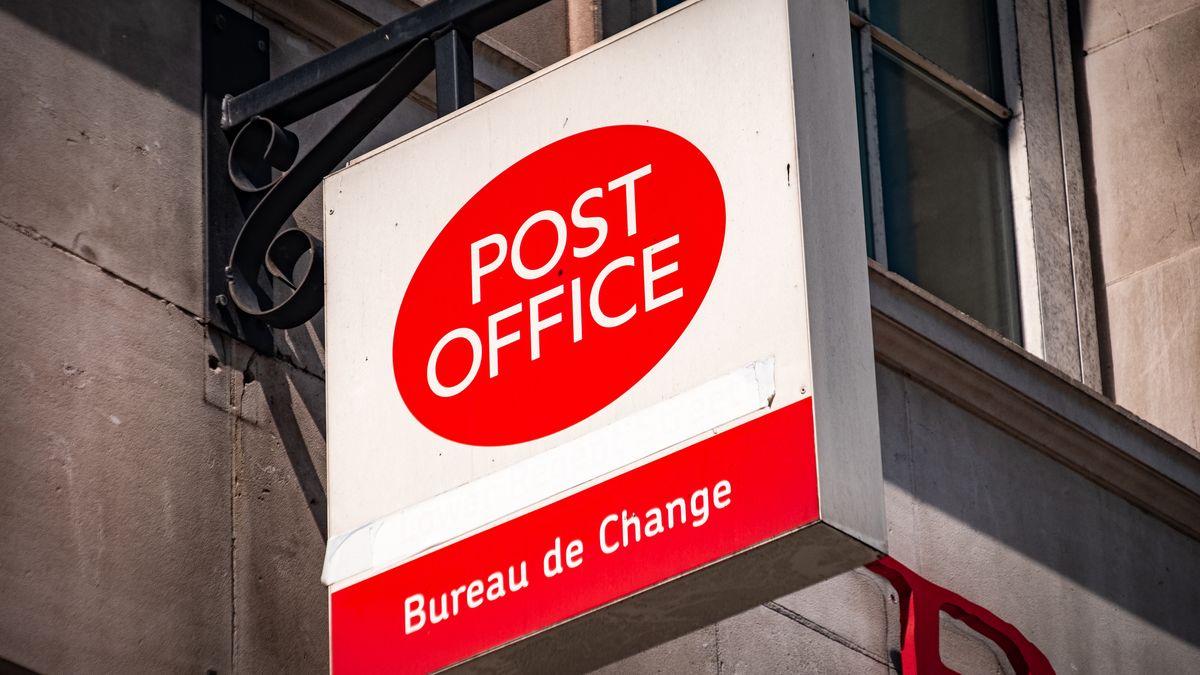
{"x": 275, "y": 271}
{"x": 266, "y": 251}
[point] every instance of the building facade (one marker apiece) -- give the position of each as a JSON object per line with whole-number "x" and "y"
{"x": 1031, "y": 185}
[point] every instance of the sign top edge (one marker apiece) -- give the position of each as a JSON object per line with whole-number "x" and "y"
{"x": 514, "y": 86}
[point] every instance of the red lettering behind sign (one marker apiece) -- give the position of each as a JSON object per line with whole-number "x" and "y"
{"x": 921, "y": 605}
{"x": 761, "y": 480}
{"x": 559, "y": 285}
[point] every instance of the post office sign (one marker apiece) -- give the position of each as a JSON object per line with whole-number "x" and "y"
{"x": 599, "y": 358}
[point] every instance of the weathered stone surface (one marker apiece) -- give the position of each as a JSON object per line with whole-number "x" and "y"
{"x": 854, "y": 605}
{"x": 1108, "y": 20}
{"x": 1098, "y": 585}
{"x": 1145, "y": 138}
{"x": 693, "y": 653}
{"x": 280, "y": 617}
{"x": 1154, "y": 321}
{"x": 114, "y": 477}
{"x": 102, "y": 147}
{"x": 539, "y": 37}
{"x": 764, "y": 641}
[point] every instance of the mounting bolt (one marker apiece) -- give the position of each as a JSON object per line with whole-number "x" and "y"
{"x": 220, "y": 21}
{"x": 262, "y": 46}
{"x": 221, "y": 300}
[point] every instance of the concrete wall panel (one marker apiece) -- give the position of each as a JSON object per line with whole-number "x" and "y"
{"x": 1093, "y": 581}
{"x": 763, "y": 641}
{"x": 853, "y": 608}
{"x": 1107, "y": 20}
{"x": 1145, "y": 140}
{"x": 1155, "y": 322}
{"x": 280, "y": 618}
{"x": 114, "y": 476}
{"x": 100, "y": 116}
{"x": 1141, "y": 96}
{"x": 694, "y": 653}
{"x": 539, "y": 37}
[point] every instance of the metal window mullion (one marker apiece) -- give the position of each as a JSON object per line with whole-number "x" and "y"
{"x": 940, "y": 75}
{"x": 1028, "y": 300}
{"x": 861, "y": 10}
{"x": 871, "y": 124}
{"x": 455, "y": 71}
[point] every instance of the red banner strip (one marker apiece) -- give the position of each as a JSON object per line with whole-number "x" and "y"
{"x": 699, "y": 504}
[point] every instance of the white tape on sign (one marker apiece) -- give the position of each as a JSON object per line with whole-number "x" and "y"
{"x": 409, "y": 532}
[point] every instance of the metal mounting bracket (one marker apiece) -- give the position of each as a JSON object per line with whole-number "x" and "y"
{"x": 262, "y": 272}
{"x": 234, "y": 59}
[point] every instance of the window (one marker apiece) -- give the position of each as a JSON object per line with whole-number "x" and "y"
{"x": 971, "y": 165}
{"x": 933, "y": 128}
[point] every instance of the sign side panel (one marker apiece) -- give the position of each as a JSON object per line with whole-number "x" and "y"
{"x": 849, "y": 464}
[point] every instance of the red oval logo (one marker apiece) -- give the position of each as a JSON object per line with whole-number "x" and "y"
{"x": 559, "y": 285}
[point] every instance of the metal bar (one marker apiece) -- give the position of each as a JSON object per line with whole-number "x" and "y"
{"x": 455, "y": 71}
{"x": 874, "y": 166}
{"x": 234, "y": 58}
{"x": 933, "y": 70}
{"x": 940, "y": 74}
{"x": 261, "y": 247}
{"x": 359, "y": 64}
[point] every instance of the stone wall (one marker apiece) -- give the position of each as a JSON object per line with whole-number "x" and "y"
{"x": 1140, "y": 87}
{"x": 162, "y": 505}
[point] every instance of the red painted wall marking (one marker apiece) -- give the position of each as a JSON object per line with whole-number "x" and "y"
{"x": 739, "y": 488}
{"x": 921, "y": 601}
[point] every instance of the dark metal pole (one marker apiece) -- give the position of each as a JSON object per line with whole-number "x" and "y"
{"x": 455, "y": 71}
{"x": 361, "y": 63}
{"x": 234, "y": 58}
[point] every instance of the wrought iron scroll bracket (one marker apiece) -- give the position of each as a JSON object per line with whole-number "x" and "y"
{"x": 267, "y": 255}
{"x": 263, "y": 271}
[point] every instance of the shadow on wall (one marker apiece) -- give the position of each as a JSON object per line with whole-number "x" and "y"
{"x": 9, "y": 668}
{"x": 284, "y": 393}
{"x": 982, "y": 510}
{"x": 1083, "y": 111}
{"x": 277, "y": 384}
{"x": 153, "y": 42}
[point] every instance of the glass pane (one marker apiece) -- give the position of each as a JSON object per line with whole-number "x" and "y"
{"x": 855, "y": 46}
{"x": 958, "y": 35}
{"x": 946, "y": 200}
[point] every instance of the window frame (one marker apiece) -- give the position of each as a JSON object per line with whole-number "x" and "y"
{"x": 1056, "y": 302}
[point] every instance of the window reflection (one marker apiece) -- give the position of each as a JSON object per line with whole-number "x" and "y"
{"x": 946, "y": 199}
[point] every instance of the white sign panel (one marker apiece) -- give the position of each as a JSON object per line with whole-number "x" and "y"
{"x": 600, "y": 344}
